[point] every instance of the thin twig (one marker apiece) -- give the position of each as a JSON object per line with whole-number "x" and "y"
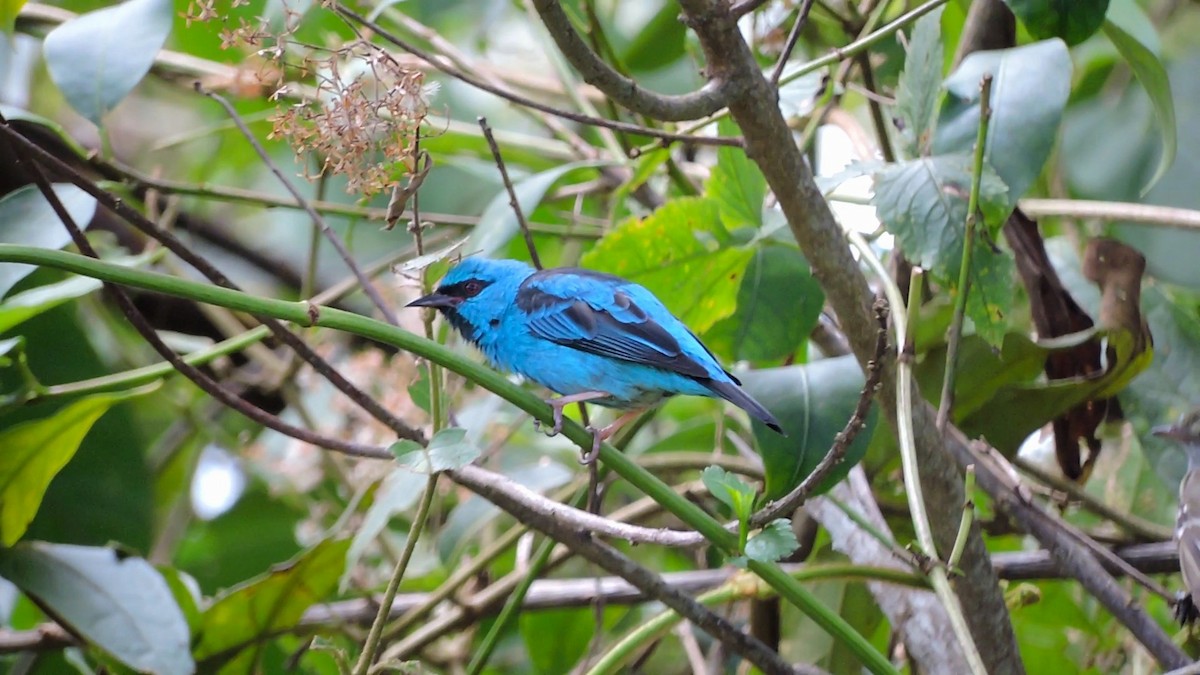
{"x": 338, "y": 245}
{"x": 793, "y": 36}
{"x": 148, "y": 333}
{"x": 1132, "y": 524}
{"x": 908, "y": 453}
{"x": 1147, "y": 214}
{"x": 946, "y": 404}
{"x": 371, "y": 646}
{"x": 664, "y": 136}
{"x": 131, "y": 215}
{"x": 512, "y": 194}
{"x": 968, "y": 517}
{"x": 841, "y": 443}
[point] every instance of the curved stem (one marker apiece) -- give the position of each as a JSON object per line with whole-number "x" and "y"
{"x": 304, "y": 314}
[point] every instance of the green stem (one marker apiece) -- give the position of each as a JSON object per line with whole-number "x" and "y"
{"x": 946, "y": 404}
{"x": 371, "y": 648}
{"x": 964, "y": 525}
{"x": 624, "y": 466}
{"x": 740, "y": 588}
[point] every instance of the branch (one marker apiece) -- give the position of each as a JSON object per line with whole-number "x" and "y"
{"x": 665, "y": 136}
{"x": 623, "y": 90}
{"x": 770, "y": 144}
{"x": 1149, "y": 214}
{"x": 185, "y": 253}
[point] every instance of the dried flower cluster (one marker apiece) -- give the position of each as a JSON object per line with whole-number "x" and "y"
{"x": 364, "y": 121}
{"x": 353, "y": 107}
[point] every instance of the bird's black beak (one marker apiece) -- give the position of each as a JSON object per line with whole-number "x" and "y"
{"x": 1167, "y": 431}
{"x": 435, "y": 299}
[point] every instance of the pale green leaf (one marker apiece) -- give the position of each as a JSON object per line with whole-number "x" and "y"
{"x": 97, "y": 58}
{"x": 115, "y": 601}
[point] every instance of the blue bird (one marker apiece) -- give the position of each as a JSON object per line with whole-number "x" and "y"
{"x": 585, "y": 335}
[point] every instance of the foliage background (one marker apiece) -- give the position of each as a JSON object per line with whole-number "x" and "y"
{"x": 695, "y": 223}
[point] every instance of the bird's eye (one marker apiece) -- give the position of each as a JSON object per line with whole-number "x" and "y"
{"x": 472, "y": 288}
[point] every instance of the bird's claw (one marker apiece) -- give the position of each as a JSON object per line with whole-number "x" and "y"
{"x": 589, "y": 458}
{"x": 556, "y": 429}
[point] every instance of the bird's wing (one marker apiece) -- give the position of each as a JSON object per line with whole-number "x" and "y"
{"x": 1187, "y": 532}
{"x": 605, "y": 315}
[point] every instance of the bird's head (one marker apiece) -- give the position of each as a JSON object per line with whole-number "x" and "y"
{"x": 1186, "y": 432}
{"x": 475, "y": 293}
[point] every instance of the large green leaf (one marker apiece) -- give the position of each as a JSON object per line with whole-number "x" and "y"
{"x": 35, "y": 451}
{"x": 1030, "y": 86}
{"x": 498, "y": 223}
{"x": 557, "y": 638}
{"x": 813, "y": 402}
{"x": 737, "y": 185}
{"x": 1134, "y": 36}
{"x": 920, "y": 84}
{"x": 115, "y": 601}
{"x": 1071, "y": 20}
{"x": 97, "y": 58}
{"x": 660, "y": 41}
{"x": 27, "y": 218}
{"x": 28, "y": 304}
{"x": 240, "y": 622}
{"x": 683, "y": 254}
{"x": 778, "y": 305}
{"x": 924, "y": 203}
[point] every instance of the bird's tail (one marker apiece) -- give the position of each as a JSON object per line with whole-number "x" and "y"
{"x": 737, "y": 396}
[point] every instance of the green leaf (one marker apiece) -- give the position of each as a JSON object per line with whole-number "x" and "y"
{"x": 1134, "y": 36}
{"x": 920, "y": 84}
{"x": 27, "y": 218}
{"x": 659, "y": 43}
{"x": 116, "y": 602}
{"x": 778, "y": 305}
{"x": 97, "y": 58}
{"x": 924, "y": 203}
{"x": 9, "y": 345}
{"x": 498, "y": 224}
{"x": 397, "y": 493}
{"x": 737, "y": 185}
{"x": 776, "y": 541}
{"x": 683, "y": 254}
{"x": 991, "y": 293}
{"x": 1071, "y": 20}
{"x": 981, "y": 370}
{"x": 9, "y": 9}
{"x": 730, "y": 490}
{"x": 35, "y": 451}
{"x": 814, "y": 402}
{"x": 556, "y": 639}
{"x": 238, "y": 625}
{"x": 448, "y": 449}
{"x": 1030, "y": 85}
{"x": 28, "y": 304}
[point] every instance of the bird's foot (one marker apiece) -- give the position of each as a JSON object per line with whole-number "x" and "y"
{"x": 605, "y": 433}
{"x": 556, "y": 428}
{"x": 557, "y": 405}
